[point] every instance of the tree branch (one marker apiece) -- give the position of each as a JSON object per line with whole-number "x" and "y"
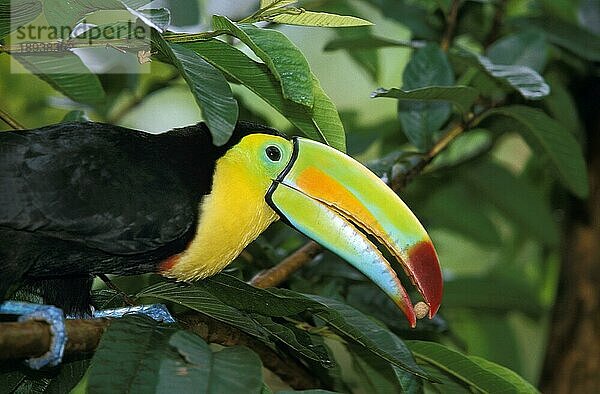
{"x": 279, "y": 273}
{"x": 32, "y": 338}
{"x": 450, "y": 25}
{"x": 21, "y": 340}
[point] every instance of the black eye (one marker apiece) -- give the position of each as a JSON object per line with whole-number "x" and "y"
{"x": 273, "y": 153}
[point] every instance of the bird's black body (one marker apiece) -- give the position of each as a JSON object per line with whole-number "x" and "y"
{"x": 78, "y": 199}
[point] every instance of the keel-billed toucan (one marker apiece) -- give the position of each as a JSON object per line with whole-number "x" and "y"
{"x": 81, "y": 199}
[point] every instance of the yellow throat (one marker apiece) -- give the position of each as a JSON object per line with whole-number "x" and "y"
{"x": 230, "y": 217}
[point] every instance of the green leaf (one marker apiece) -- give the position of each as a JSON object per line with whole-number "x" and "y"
{"x": 319, "y": 19}
{"x": 17, "y": 13}
{"x": 199, "y": 370}
{"x": 248, "y": 298}
{"x": 158, "y": 18}
{"x": 499, "y": 293}
{"x": 420, "y": 120}
{"x": 569, "y": 36}
{"x": 462, "y": 96}
{"x": 374, "y": 374}
{"x": 275, "y": 3}
{"x": 445, "y": 384}
{"x": 410, "y": 384}
{"x": 460, "y": 367}
{"x": 520, "y": 384}
{"x": 296, "y": 339}
{"x": 523, "y": 79}
{"x": 69, "y": 12}
{"x": 151, "y": 357}
{"x": 526, "y": 48}
{"x": 15, "y": 378}
{"x": 67, "y": 74}
{"x": 549, "y": 137}
{"x": 380, "y": 377}
{"x": 332, "y": 375}
{"x": 326, "y": 118}
{"x": 138, "y": 345}
{"x": 282, "y": 57}
{"x": 197, "y": 298}
{"x": 516, "y": 199}
{"x": 561, "y": 105}
{"x": 208, "y": 85}
{"x": 429, "y": 65}
{"x": 322, "y": 123}
{"x": 365, "y": 332}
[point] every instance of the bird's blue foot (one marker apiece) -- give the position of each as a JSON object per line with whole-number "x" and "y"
{"x": 158, "y": 312}
{"x": 49, "y": 314}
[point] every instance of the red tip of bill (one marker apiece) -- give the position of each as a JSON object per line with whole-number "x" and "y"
{"x": 425, "y": 269}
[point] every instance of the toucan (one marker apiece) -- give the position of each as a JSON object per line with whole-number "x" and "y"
{"x": 80, "y": 199}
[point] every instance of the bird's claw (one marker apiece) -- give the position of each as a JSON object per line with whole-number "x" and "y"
{"x": 49, "y": 314}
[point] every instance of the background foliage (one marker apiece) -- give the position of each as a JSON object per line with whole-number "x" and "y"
{"x": 490, "y": 80}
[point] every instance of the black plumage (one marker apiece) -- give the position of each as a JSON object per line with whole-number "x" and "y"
{"x": 79, "y": 199}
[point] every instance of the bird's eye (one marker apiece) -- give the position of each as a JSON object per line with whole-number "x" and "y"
{"x": 273, "y": 153}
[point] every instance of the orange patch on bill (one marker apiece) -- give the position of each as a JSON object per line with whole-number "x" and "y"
{"x": 321, "y": 186}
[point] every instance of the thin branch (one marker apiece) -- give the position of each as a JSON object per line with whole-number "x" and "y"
{"x": 279, "y": 273}
{"x": 109, "y": 283}
{"x": 496, "y": 24}
{"x": 276, "y": 275}
{"x": 21, "y": 340}
{"x": 9, "y": 120}
{"x": 450, "y": 25}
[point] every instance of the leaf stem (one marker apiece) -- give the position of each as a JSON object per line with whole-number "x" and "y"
{"x": 9, "y": 120}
